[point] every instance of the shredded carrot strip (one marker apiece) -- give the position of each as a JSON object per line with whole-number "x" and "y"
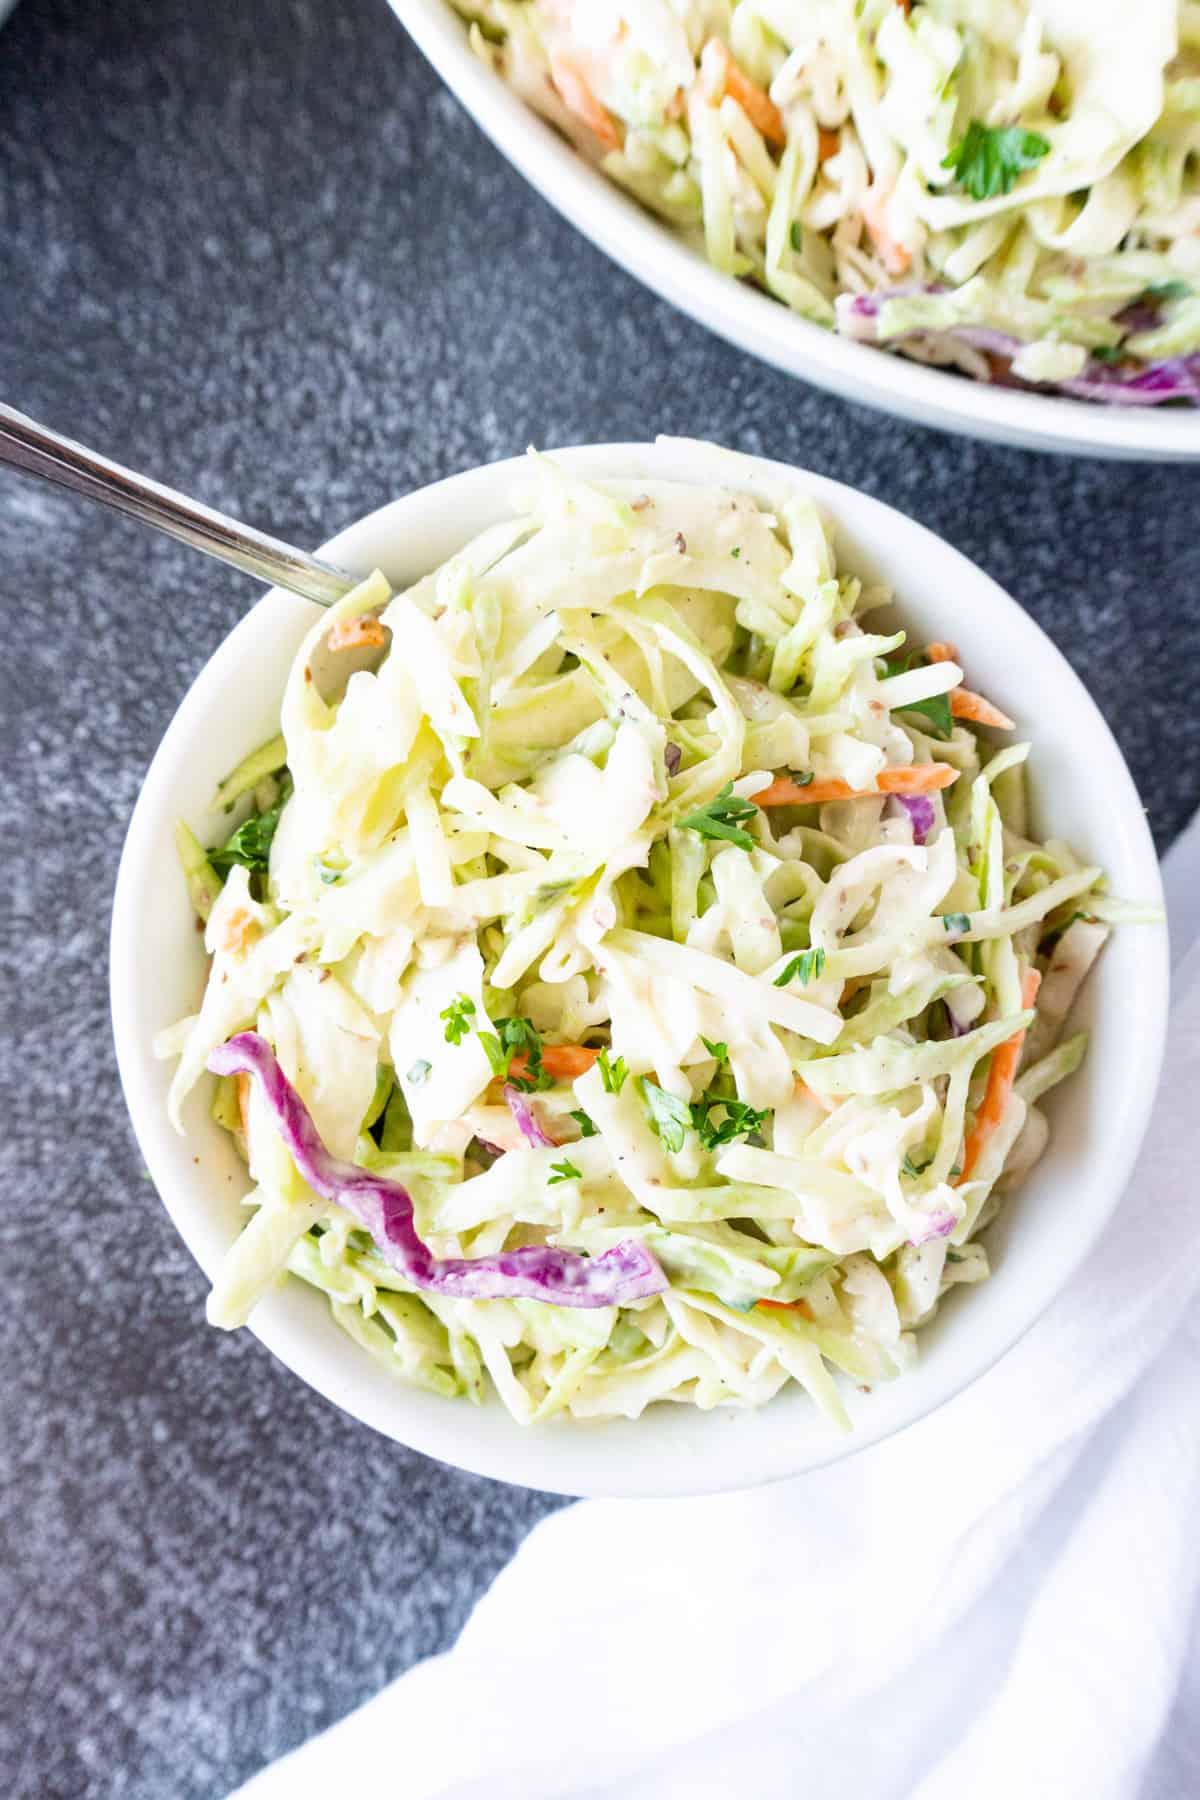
{"x": 921, "y": 778}
{"x": 828, "y": 143}
{"x": 564, "y": 1062}
{"x": 1002, "y": 1073}
{"x": 579, "y": 99}
{"x": 897, "y": 260}
{"x": 824, "y": 1101}
{"x": 963, "y": 703}
{"x": 355, "y": 634}
{"x": 722, "y": 76}
{"x": 800, "y": 1306}
{"x": 966, "y": 705}
{"x": 241, "y": 931}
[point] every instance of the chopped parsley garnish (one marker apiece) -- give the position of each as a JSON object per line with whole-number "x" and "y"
{"x": 418, "y": 1073}
{"x": 796, "y": 235}
{"x": 936, "y": 709}
{"x": 719, "y": 819}
{"x": 564, "y": 1171}
{"x": 514, "y": 1037}
{"x": 669, "y": 1117}
{"x": 956, "y": 921}
{"x": 586, "y": 1126}
{"x": 250, "y": 844}
{"x": 328, "y": 872}
{"x": 612, "y": 1074}
{"x": 1168, "y": 290}
{"x": 1107, "y": 353}
{"x": 807, "y": 966}
{"x": 736, "y": 551}
{"x": 719, "y": 1118}
{"x": 801, "y": 777}
{"x": 457, "y": 1016}
{"x": 989, "y": 158}
{"x": 914, "y": 1169}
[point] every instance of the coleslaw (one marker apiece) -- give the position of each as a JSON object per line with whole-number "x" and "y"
{"x": 1007, "y": 187}
{"x": 637, "y": 979}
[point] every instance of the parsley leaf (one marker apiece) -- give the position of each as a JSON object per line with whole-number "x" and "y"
{"x": 564, "y": 1171}
{"x": 586, "y": 1126}
{"x": 914, "y": 1169}
{"x": 956, "y": 921}
{"x": 720, "y": 1051}
{"x": 807, "y": 966}
{"x": 936, "y": 710}
{"x": 1168, "y": 290}
{"x": 328, "y": 873}
{"x": 612, "y": 1074}
{"x": 457, "y": 1014}
{"x": 796, "y": 235}
{"x": 988, "y": 159}
{"x": 737, "y": 1119}
{"x": 418, "y": 1073}
{"x": 514, "y": 1037}
{"x": 719, "y": 818}
{"x": 669, "y": 1117}
{"x": 801, "y": 777}
{"x": 250, "y": 844}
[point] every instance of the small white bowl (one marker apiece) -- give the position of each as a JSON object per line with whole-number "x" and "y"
{"x": 1082, "y": 791}
{"x": 752, "y": 320}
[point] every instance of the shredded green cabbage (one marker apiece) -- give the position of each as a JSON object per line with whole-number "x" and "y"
{"x": 528, "y": 945}
{"x": 1015, "y": 178}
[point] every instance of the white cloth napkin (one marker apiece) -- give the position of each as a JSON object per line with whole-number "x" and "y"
{"x": 1000, "y": 1602}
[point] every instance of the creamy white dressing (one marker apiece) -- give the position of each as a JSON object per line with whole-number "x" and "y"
{"x": 782, "y": 1091}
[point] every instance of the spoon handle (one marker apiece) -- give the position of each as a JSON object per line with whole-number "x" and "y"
{"x": 35, "y": 450}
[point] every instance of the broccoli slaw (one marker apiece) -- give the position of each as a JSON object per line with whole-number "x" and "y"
{"x": 640, "y": 983}
{"x": 1007, "y": 187}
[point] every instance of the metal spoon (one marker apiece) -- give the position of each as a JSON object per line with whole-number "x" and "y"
{"x": 35, "y": 450}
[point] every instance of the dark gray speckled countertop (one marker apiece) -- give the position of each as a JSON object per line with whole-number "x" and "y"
{"x": 258, "y": 251}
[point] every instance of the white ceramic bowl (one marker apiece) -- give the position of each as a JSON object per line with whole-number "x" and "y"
{"x": 753, "y": 321}
{"x": 1082, "y": 791}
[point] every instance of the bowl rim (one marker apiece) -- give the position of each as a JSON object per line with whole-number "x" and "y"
{"x": 755, "y": 322}
{"x": 539, "y": 1460}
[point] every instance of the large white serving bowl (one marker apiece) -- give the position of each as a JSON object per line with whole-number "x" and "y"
{"x": 753, "y": 321}
{"x": 1082, "y": 791}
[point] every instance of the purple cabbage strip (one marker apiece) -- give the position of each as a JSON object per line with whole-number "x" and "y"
{"x": 527, "y": 1123}
{"x": 534, "y": 1272}
{"x": 958, "y": 1027}
{"x": 1178, "y": 378}
{"x": 919, "y": 808}
{"x": 938, "y": 1224}
{"x": 1112, "y": 384}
